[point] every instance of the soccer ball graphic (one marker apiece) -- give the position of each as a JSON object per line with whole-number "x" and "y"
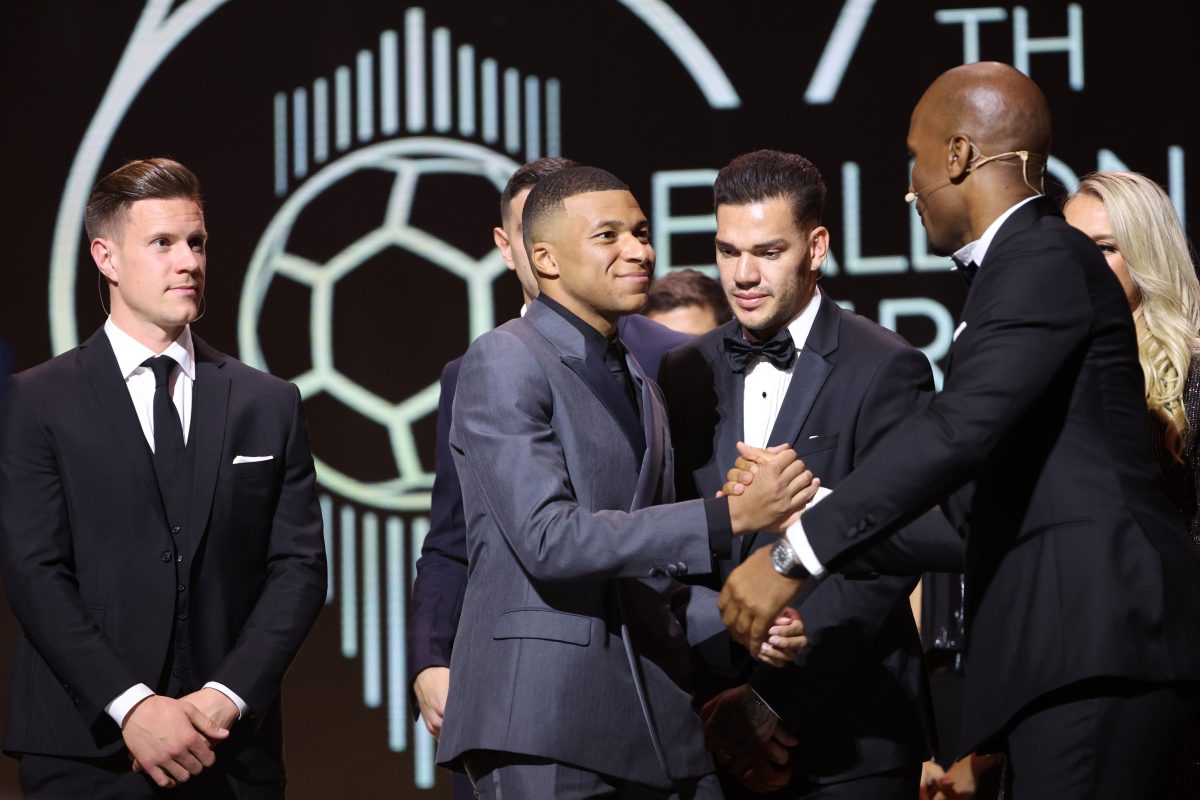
{"x": 392, "y": 239}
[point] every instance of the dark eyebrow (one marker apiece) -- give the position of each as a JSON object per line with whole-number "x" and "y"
{"x": 608, "y": 223}
{"x": 771, "y": 245}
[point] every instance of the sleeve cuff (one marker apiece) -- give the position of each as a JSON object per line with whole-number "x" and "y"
{"x": 799, "y": 540}
{"x": 720, "y": 527}
{"x": 119, "y": 708}
{"x": 232, "y": 695}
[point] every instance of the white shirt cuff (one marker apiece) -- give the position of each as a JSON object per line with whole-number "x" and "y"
{"x": 232, "y": 695}
{"x": 799, "y": 540}
{"x": 119, "y": 708}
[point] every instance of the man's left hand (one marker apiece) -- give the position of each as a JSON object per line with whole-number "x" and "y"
{"x": 747, "y": 737}
{"x": 753, "y": 596}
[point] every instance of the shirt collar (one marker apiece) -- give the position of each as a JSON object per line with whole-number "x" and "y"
{"x": 131, "y": 353}
{"x": 595, "y": 342}
{"x": 976, "y": 250}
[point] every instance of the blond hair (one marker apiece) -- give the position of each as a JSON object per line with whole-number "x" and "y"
{"x": 1160, "y": 264}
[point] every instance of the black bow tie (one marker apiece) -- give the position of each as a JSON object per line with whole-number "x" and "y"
{"x": 967, "y": 270}
{"x": 779, "y": 350}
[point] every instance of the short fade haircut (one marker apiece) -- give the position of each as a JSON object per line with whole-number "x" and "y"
{"x": 546, "y": 199}
{"x": 766, "y": 174}
{"x": 528, "y": 176}
{"x": 686, "y": 287}
{"x": 144, "y": 179}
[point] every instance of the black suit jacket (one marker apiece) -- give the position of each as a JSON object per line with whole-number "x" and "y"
{"x": 1076, "y": 566}
{"x": 83, "y": 533}
{"x": 857, "y": 696}
{"x": 441, "y": 580}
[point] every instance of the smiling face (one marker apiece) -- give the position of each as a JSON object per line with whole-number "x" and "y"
{"x": 768, "y": 263}
{"x": 154, "y": 260}
{"x": 1087, "y": 213}
{"x": 595, "y": 257}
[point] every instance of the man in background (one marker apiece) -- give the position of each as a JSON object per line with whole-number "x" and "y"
{"x": 687, "y": 301}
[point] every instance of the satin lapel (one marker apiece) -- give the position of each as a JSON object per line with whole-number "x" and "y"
{"x": 210, "y": 404}
{"x": 730, "y": 389}
{"x": 600, "y": 381}
{"x": 100, "y": 367}
{"x": 808, "y": 376}
{"x": 654, "y": 433}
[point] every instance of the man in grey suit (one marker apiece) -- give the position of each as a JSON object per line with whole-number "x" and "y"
{"x": 572, "y": 659}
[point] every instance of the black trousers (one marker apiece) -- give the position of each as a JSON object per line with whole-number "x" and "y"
{"x": 898, "y": 784}
{"x": 57, "y": 778}
{"x": 1098, "y": 740}
{"x": 510, "y": 776}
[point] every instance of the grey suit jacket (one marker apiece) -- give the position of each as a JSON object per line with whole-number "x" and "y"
{"x": 568, "y": 646}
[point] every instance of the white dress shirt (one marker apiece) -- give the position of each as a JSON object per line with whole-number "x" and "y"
{"x": 139, "y": 380}
{"x": 974, "y": 251}
{"x": 764, "y": 388}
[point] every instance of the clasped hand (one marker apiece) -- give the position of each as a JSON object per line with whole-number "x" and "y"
{"x": 755, "y": 593}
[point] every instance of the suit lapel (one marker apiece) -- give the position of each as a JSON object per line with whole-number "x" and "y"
{"x": 808, "y": 376}
{"x": 210, "y": 403}
{"x": 572, "y": 351}
{"x": 654, "y": 434}
{"x": 100, "y": 368}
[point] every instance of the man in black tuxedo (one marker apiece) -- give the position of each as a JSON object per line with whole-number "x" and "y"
{"x": 160, "y": 536}
{"x": 441, "y": 579}
{"x": 1082, "y": 589}
{"x": 794, "y": 368}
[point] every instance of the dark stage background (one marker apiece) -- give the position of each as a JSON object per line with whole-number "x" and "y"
{"x": 352, "y": 155}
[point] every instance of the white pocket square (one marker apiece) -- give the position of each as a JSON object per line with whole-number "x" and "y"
{"x": 962, "y": 326}
{"x": 250, "y": 459}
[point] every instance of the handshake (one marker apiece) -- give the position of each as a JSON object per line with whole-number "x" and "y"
{"x": 767, "y": 490}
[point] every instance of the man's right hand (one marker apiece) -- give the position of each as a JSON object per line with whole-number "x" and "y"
{"x": 431, "y": 688}
{"x": 169, "y": 739}
{"x": 779, "y": 489}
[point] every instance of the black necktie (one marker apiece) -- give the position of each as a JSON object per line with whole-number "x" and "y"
{"x": 779, "y": 350}
{"x": 614, "y": 359}
{"x": 168, "y": 431}
{"x": 967, "y": 270}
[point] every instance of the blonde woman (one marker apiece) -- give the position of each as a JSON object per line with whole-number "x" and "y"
{"x": 1134, "y": 224}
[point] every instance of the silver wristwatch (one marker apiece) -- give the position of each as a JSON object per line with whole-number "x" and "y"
{"x": 785, "y": 561}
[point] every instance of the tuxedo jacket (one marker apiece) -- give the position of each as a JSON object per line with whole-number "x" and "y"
{"x": 568, "y": 647}
{"x": 1076, "y": 566}
{"x": 86, "y": 550}
{"x": 441, "y": 580}
{"x": 856, "y": 696}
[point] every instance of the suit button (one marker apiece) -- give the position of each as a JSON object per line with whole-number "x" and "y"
{"x": 183, "y": 645}
{"x": 180, "y": 588}
{"x": 680, "y": 568}
{"x": 175, "y": 530}
{"x": 658, "y": 572}
{"x": 166, "y": 556}
{"x": 672, "y": 570}
{"x": 870, "y": 520}
{"x": 179, "y": 559}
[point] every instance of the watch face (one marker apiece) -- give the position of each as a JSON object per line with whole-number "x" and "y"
{"x": 781, "y": 557}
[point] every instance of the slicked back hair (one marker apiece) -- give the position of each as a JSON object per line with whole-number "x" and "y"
{"x": 546, "y": 199}
{"x": 527, "y": 176}
{"x": 144, "y": 179}
{"x": 767, "y": 174}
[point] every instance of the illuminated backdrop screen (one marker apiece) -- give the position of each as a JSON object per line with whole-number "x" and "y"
{"x": 352, "y": 157}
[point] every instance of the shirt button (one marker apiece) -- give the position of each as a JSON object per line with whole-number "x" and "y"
{"x": 166, "y": 556}
{"x": 182, "y": 617}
